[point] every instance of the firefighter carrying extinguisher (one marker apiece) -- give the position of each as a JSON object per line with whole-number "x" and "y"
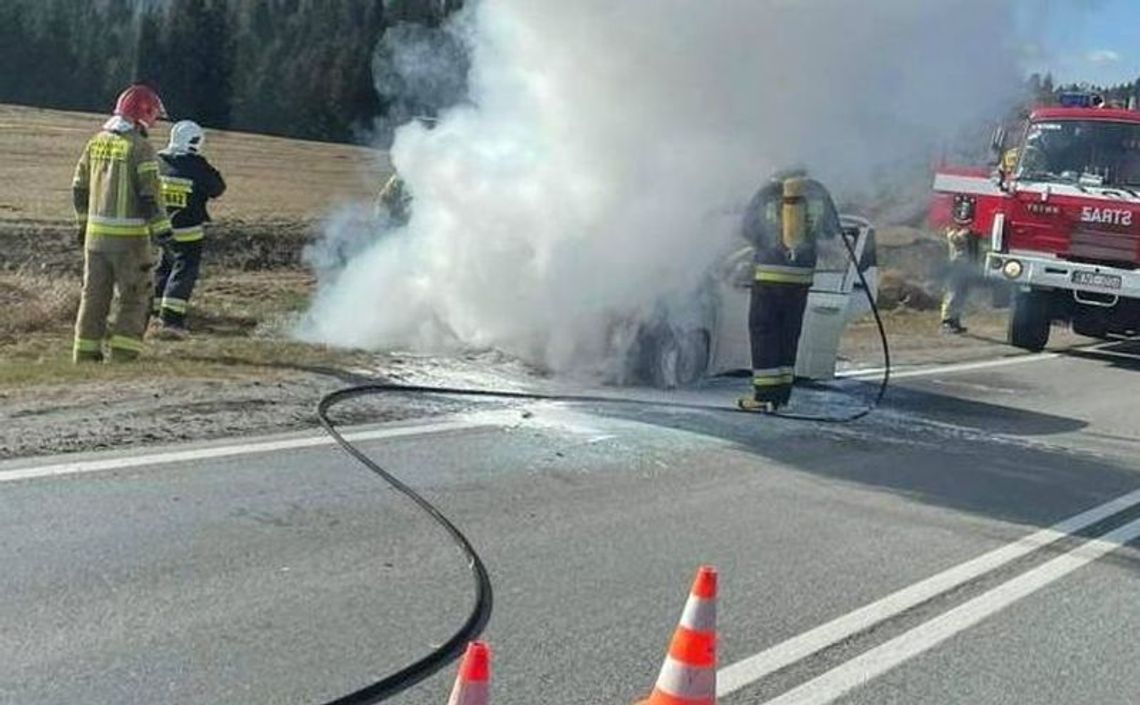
{"x": 784, "y": 222}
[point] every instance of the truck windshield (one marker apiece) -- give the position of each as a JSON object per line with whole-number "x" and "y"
{"x": 1088, "y": 152}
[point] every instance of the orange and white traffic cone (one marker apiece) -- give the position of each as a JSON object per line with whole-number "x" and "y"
{"x": 473, "y": 682}
{"x": 689, "y": 674}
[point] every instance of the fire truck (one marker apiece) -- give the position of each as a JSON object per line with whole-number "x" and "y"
{"x": 1061, "y": 214}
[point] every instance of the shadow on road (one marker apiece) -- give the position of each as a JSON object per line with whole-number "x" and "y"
{"x": 961, "y": 466}
{"x": 979, "y": 415}
{"x": 1124, "y": 355}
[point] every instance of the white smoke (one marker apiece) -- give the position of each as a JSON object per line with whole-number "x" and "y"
{"x": 418, "y": 70}
{"x": 600, "y": 162}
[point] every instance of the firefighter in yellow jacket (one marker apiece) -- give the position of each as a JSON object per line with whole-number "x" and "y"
{"x": 120, "y": 216}
{"x": 964, "y": 255}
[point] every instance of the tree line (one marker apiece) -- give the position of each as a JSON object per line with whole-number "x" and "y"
{"x": 298, "y": 68}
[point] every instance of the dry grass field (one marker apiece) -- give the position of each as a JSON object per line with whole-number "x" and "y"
{"x": 271, "y": 179}
{"x": 251, "y": 289}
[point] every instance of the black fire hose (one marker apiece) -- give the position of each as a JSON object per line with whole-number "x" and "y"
{"x": 480, "y": 614}
{"x": 453, "y": 648}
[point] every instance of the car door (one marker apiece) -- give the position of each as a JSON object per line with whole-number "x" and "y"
{"x": 834, "y": 300}
{"x": 830, "y": 306}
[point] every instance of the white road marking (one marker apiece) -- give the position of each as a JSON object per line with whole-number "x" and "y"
{"x": 750, "y": 670}
{"x": 227, "y": 451}
{"x": 874, "y": 663}
{"x": 950, "y": 369}
{"x": 551, "y": 418}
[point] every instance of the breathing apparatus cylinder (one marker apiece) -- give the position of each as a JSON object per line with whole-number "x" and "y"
{"x": 794, "y": 213}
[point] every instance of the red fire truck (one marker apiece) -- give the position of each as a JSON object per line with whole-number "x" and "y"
{"x": 1062, "y": 216}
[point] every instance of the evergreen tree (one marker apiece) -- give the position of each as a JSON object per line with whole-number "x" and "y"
{"x": 197, "y": 61}
{"x": 149, "y": 49}
{"x": 301, "y": 68}
{"x": 14, "y": 33}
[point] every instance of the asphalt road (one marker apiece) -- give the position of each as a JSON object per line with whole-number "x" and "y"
{"x": 971, "y": 542}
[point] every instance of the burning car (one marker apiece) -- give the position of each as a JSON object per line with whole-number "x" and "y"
{"x": 714, "y": 339}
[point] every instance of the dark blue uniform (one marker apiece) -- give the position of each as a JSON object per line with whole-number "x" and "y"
{"x": 188, "y": 183}
{"x": 782, "y": 279}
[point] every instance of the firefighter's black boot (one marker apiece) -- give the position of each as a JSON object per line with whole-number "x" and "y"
{"x": 952, "y": 326}
{"x": 756, "y": 406}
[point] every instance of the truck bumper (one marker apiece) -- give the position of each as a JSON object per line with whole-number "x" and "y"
{"x": 1098, "y": 281}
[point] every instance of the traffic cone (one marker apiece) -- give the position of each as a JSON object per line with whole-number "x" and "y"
{"x": 473, "y": 682}
{"x": 689, "y": 674}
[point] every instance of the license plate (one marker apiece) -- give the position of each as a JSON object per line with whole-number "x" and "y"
{"x": 1103, "y": 281}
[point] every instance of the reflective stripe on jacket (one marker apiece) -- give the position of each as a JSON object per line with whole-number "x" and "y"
{"x": 784, "y": 274}
{"x": 188, "y": 184}
{"x": 116, "y": 188}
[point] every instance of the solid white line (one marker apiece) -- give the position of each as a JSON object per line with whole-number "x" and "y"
{"x": 180, "y": 456}
{"x": 750, "y": 670}
{"x": 950, "y": 369}
{"x": 874, "y": 663}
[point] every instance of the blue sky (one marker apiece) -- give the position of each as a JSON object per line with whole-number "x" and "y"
{"x": 1081, "y": 40}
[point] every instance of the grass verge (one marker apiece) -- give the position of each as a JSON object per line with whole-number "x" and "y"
{"x": 239, "y": 321}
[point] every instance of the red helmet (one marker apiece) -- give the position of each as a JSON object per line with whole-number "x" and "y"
{"x": 139, "y": 103}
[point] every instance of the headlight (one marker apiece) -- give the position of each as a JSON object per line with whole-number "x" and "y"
{"x": 1012, "y": 269}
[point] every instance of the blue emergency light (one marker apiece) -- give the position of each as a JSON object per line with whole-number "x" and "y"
{"x": 1080, "y": 100}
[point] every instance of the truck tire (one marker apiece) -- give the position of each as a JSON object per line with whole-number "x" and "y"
{"x": 1029, "y": 320}
{"x": 1090, "y": 327}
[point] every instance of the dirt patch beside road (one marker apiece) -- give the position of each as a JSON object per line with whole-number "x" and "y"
{"x": 239, "y": 373}
{"x": 915, "y": 339}
{"x": 109, "y": 414}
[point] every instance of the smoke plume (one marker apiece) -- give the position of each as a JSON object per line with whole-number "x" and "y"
{"x": 598, "y": 165}
{"x": 418, "y": 70}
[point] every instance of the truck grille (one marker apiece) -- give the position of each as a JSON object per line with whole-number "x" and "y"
{"x": 1103, "y": 246}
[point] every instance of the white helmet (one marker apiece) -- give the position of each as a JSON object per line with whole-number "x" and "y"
{"x": 186, "y": 136}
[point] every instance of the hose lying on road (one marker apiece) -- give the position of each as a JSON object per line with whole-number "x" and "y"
{"x": 472, "y": 627}
{"x": 453, "y": 648}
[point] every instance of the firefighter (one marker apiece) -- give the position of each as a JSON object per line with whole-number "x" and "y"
{"x": 963, "y": 256}
{"x": 188, "y": 183}
{"x": 784, "y": 223}
{"x": 1009, "y": 161}
{"x": 120, "y": 217}
{"x": 394, "y": 201}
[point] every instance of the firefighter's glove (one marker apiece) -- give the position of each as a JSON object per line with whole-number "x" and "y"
{"x": 743, "y": 274}
{"x": 162, "y": 239}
